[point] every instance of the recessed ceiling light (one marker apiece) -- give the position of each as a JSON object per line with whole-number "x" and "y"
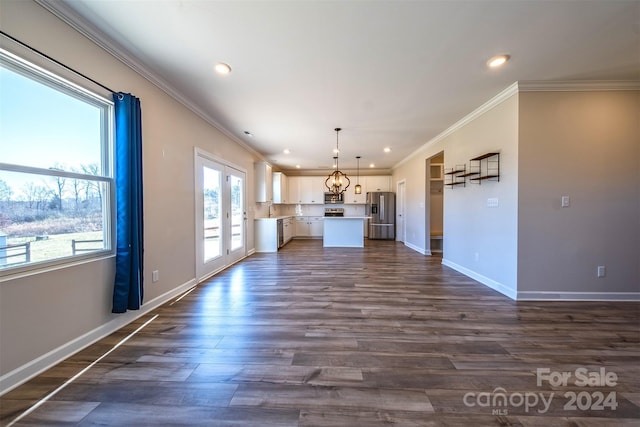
{"x": 371, "y": 165}
{"x": 387, "y": 150}
{"x": 286, "y": 151}
{"x": 246, "y": 132}
{"x": 498, "y": 60}
{"x": 297, "y": 166}
{"x": 222, "y": 68}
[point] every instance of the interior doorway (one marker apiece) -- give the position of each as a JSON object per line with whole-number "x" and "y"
{"x": 435, "y": 184}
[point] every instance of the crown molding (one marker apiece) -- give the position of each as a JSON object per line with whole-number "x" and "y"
{"x": 490, "y": 104}
{"x": 578, "y": 85}
{"x": 528, "y": 86}
{"x": 78, "y": 23}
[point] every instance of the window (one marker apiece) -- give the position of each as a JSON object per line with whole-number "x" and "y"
{"x": 56, "y": 180}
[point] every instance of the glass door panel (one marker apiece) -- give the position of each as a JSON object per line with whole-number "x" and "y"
{"x": 211, "y": 214}
{"x": 237, "y": 211}
{"x": 209, "y": 231}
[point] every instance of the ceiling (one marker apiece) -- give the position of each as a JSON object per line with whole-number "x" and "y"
{"x": 390, "y": 73}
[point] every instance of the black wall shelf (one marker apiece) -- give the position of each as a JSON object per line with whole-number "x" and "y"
{"x": 456, "y": 176}
{"x": 485, "y": 167}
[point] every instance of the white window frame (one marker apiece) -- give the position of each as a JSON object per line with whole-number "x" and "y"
{"x": 97, "y": 98}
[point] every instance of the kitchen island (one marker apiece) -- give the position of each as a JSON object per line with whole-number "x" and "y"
{"x": 343, "y": 232}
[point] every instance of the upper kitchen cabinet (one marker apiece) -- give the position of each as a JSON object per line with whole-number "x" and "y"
{"x": 307, "y": 190}
{"x": 377, "y": 183}
{"x": 264, "y": 182}
{"x": 280, "y": 188}
{"x": 369, "y": 184}
{"x": 350, "y": 196}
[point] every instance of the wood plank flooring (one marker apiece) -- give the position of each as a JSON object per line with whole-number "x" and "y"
{"x": 348, "y": 337}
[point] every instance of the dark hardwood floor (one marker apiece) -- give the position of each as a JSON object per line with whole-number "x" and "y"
{"x": 350, "y": 337}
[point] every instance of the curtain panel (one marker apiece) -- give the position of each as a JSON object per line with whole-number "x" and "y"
{"x": 128, "y": 284}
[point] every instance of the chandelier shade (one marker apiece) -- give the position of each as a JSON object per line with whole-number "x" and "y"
{"x": 337, "y": 182}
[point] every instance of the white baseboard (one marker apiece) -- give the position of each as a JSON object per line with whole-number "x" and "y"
{"x": 543, "y": 295}
{"x": 417, "y": 249}
{"x": 578, "y": 296}
{"x": 490, "y": 283}
{"x": 24, "y": 373}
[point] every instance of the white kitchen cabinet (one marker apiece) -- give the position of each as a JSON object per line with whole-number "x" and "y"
{"x": 308, "y": 190}
{"x": 302, "y": 227}
{"x": 293, "y": 182}
{"x": 316, "y": 226}
{"x": 351, "y": 198}
{"x": 288, "y": 228}
{"x": 369, "y": 184}
{"x": 378, "y": 183}
{"x": 266, "y": 234}
{"x": 309, "y": 226}
{"x": 280, "y": 188}
{"x": 263, "y": 182}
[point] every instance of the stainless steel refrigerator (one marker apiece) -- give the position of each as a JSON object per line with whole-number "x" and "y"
{"x": 381, "y": 208}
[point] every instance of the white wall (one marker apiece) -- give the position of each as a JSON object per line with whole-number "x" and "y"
{"x": 585, "y": 145}
{"x": 470, "y": 227}
{"x": 479, "y": 240}
{"x": 413, "y": 172}
{"x": 45, "y": 312}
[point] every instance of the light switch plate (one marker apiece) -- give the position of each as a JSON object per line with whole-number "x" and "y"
{"x": 565, "y": 201}
{"x": 492, "y": 202}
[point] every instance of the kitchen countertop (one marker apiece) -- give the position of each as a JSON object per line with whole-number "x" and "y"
{"x": 274, "y": 217}
{"x": 307, "y": 216}
{"x": 347, "y": 217}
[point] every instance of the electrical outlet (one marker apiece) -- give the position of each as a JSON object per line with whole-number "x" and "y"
{"x": 602, "y": 271}
{"x": 477, "y": 255}
{"x": 155, "y": 276}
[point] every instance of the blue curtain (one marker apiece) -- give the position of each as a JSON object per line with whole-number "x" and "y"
{"x": 127, "y": 289}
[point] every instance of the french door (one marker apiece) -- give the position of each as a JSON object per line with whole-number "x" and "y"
{"x": 220, "y": 214}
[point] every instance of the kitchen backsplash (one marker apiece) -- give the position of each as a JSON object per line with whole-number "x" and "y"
{"x": 262, "y": 210}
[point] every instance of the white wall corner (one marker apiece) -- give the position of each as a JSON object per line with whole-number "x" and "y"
{"x": 417, "y": 249}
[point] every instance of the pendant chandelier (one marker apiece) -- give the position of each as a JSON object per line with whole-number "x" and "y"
{"x": 335, "y": 183}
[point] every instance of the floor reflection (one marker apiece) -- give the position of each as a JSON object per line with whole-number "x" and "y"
{"x": 225, "y": 294}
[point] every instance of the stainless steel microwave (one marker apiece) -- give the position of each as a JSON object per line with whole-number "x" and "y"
{"x": 330, "y": 198}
